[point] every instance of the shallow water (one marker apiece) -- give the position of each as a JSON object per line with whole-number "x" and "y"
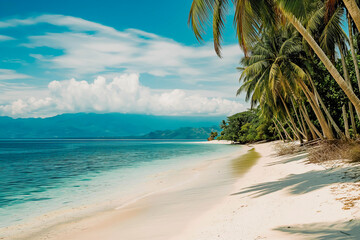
{"x": 39, "y": 176}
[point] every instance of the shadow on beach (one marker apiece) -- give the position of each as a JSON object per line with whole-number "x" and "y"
{"x": 292, "y": 158}
{"x": 299, "y": 183}
{"x": 323, "y": 231}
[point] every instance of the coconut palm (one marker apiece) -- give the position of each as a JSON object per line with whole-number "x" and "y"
{"x": 354, "y": 11}
{"x": 331, "y": 35}
{"x": 275, "y": 72}
{"x": 252, "y": 17}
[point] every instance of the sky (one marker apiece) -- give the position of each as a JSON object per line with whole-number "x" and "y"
{"x": 112, "y": 56}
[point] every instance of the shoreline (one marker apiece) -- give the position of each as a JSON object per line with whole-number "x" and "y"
{"x": 284, "y": 198}
{"x": 162, "y": 182}
{"x": 271, "y": 198}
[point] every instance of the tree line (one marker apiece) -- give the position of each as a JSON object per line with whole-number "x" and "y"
{"x": 300, "y": 68}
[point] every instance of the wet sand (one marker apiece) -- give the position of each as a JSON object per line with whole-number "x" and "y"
{"x": 171, "y": 200}
{"x": 252, "y": 194}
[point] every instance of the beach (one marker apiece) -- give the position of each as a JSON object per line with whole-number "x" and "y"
{"x": 250, "y": 194}
{"x": 284, "y": 198}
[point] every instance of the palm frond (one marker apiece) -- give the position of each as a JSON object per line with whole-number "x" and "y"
{"x": 220, "y": 9}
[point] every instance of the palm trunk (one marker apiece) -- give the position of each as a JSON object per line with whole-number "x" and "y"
{"x": 332, "y": 121}
{"x": 298, "y": 119}
{"x": 304, "y": 127}
{"x": 312, "y": 127}
{"x": 297, "y": 134}
{"x": 352, "y": 118}
{"x": 354, "y": 11}
{"x": 293, "y": 129}
{"x": 347, "y": 78}
{"x": 324, "y": 59}
{"x": 327, "y": 131}
{"x": 277, "y": 128}
{"x": 352, "y": 49}
{"x": 286, "y": 133}
{"x": 346, "y": 123}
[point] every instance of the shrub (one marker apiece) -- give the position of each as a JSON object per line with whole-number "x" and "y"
{"x": 334, "y": 150}
{"x": 286, "y": 148}
{"x": 354, "y": 153}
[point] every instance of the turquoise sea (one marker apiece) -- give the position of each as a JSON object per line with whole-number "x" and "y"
{"x": 40, "y": 176}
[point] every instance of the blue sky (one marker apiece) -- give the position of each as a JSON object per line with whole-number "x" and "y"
{"x": 112, "y": 56}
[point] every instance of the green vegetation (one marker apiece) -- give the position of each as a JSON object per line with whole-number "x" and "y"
{"x": 247, "y": 127}
{"x": 300, "y": 67}
{"x": 182, "y": 133}
{"x": 213, "y": 135}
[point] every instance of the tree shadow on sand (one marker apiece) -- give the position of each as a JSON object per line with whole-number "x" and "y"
{"x": 323, "y": 231}
{"x": 293, "y": 158}
{"x": 299, "y": 183}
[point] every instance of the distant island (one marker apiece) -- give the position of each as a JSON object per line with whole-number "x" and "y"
{"x": 109, "y": 125}
{"x": 180, "y": 133}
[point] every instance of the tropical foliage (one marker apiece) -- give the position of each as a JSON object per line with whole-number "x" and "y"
{"x": 247, "y": 127}
{"x": 300, "y": 65}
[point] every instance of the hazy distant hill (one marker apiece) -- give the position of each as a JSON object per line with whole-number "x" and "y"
{"x": 83, "y": 125}
{"x": 181, "y": 133}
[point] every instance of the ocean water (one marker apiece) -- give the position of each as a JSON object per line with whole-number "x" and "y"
{"x": 40, "y": 176}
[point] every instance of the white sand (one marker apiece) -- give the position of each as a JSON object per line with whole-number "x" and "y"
{"x": 282, "y": 198}
{"x": 279, "y": 198}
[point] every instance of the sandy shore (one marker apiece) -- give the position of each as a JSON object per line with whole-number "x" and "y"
{"x": 284, "y": 198}
{"x": 176, "y": 194}
{"x": 229, "y": 198}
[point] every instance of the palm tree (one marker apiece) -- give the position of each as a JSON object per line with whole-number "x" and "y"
{"x": 354, "y": 11}
{"x": 274, "y": 73}
{"x": 251, "y": 17}
{"x": 352, "y": 49}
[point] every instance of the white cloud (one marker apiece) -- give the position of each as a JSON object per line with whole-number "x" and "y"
{"x": 123, "y": 94}
{"x": 6, "y": 38}
{"x": 91, "y": 48}
{"x": 8, "y": 74}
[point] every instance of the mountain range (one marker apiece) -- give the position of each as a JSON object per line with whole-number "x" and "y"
{"x": 109, "y": 125}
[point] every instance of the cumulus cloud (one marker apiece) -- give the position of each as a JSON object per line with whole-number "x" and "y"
{"x": 75, "y": 47}
{"x": 124, "y": 94}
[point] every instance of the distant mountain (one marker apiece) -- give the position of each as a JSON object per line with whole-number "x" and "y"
{"x": 181, "y": 133}
{"x": 91, "y": 125}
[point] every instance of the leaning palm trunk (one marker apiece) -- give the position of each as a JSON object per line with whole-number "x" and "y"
{"x": 354, "y": 11}
{"x": 293, "y": 128}
{"x": 283, "y": 128}
{"x": 310, "y": 124}
{"x": 352, "y": 119}
{"x": 302, "y": 131}
{"x": 352, "y": 49}
{"x": 278, "y": 130}
{"x": 327, "y": 131}
{"x": 346, "y": 123}
{"x": 305, "y": 129}
{"x": 332, "y": 121}
{"x": 347, "y": 78}
{"x": 325, "y": 60}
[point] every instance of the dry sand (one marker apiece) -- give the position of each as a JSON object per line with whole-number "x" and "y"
{"x": 271, "y": 198}
{"x": 284, "y": 198}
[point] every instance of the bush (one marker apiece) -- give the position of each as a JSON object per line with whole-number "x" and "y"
{"x": 335, "y": 150}
{"x": 354, "y": 153}
{"x": 286, "y": 148}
